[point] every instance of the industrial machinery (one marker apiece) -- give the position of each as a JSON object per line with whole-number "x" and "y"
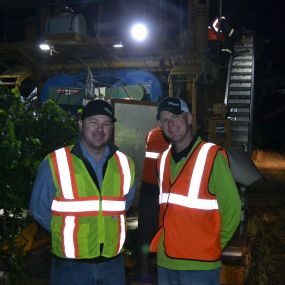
{"x": 88, "y": 54}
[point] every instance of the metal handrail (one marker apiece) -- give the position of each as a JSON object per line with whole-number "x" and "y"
{"x": 250, "y": 129}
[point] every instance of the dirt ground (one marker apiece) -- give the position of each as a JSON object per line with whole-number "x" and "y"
{"x": 266, "y": 221}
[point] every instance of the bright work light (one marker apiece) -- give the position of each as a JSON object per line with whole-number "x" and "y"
{"x": 139, "y": 32}
{"x": 47, "y": 47}
{"x": 44, "y": 46}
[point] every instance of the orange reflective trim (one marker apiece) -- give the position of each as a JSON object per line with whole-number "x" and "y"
{"x": 75, "y": 195}
{"x": 113, "y": 213}
{"x": 121, "y": 231}
{"x": 56, "y": 171}
{"x": 75, "y": 235}
{"x": 119, "y": 235}
{"x": 76, "y": 214}
{"x": 113, "y": 198}
{"x": 71, "y": 171}
{"x": 110, "y": 206}
{"x": 89, "y": 198}
{"x": 121, "y": 174}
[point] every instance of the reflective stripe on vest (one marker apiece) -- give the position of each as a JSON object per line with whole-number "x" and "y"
{"x": 192, "y": 200}
{"x": 156, "y": 143}
{"x": 64, "y": 173}
{"x": 70, "y": 206}
{"x": 68, "y": 234}
{"x": 148, "y": 136}
{"x": 125, "y": 169}
{"x": 87, "y": 207}
{"x": 122, "y": 232}
{"x": 152, "y": 155}
{"x": 215, "y": 23}
{"x": 231, "y": 32}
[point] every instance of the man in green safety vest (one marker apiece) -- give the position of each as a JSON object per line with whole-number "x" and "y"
{"x": 81, "y": 195}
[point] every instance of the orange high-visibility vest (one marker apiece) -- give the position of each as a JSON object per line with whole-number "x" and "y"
{"x": 189, "y": 214}
{"x": 213, "y": 36}
{"x": 155, "y": 144}
{"x": 213, "y": 30}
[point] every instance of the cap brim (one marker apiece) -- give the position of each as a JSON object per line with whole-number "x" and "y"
{"x": 169, "y": 110}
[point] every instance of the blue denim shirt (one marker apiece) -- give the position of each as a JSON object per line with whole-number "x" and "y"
{"x": 44, "y": 189}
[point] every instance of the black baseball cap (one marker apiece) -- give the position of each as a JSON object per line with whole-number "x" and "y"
{"x": 98, "y": 107}
{"x": 172, "y": 104}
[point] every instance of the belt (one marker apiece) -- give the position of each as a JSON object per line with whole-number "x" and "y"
{"x": 99, "y": 259}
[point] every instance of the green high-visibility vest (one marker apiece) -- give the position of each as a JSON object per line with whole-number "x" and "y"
{"x": 84, "y": 218}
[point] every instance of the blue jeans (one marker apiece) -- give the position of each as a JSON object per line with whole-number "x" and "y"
{"x": 188, "y": 277}
{"x": 72, "y": 272}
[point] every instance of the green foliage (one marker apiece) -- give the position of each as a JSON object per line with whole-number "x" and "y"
{"x": 54, "y": 128}
{"x": 27, "y": 135}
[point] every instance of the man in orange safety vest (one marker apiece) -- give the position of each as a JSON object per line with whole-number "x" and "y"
{"x": 156, "y": 143}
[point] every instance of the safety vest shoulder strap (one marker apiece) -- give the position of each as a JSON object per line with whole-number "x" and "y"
{"x": 216, "y": 23}
{"x": 63, "y": 166}
{"x": 125, "y": 171}
{"x": 200, "y": 174}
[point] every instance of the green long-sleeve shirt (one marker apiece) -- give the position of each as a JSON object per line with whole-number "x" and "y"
{"x": 221, "y": 184}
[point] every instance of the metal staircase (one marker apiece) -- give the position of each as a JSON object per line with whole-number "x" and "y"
{"x": 239, "y": 93}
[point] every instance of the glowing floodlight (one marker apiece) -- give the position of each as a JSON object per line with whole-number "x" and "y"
{"x": 139, "y": 32}
{"x": 118, "y": 45}
{"x": 44, "y": 46}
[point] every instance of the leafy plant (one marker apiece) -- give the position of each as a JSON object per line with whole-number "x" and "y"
{"x": 27, "y": 135}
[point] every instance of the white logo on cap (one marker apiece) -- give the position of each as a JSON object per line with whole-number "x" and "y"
{"x": 173, "y": 104}
{"x": 108, "y": 111}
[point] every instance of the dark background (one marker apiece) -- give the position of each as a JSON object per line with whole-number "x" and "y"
{"x": 264, "y": 18}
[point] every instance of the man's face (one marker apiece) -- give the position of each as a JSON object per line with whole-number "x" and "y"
{"x": 96, "y": 131}
{"x": 176, "y": 127}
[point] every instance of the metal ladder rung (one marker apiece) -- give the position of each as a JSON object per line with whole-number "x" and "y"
{"x": 240, "y": 85}
{"x": 241, "y": 70}
{"x": 239, "y": 110}
{"x": 243, "y": 57}
{"x": 235, "y": 102}
{"x": 241, "y": 77}
{"x": 239, "y": 93}
{"x": 239, "y": 119}
{"x": 243, "y": 64}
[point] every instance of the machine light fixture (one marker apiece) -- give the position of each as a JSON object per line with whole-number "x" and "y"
{"x": 139, "y": 32}
{"x": 47, "y": 47}
{"x": 118, "y": 45}
{"x": 44, "y": 46}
